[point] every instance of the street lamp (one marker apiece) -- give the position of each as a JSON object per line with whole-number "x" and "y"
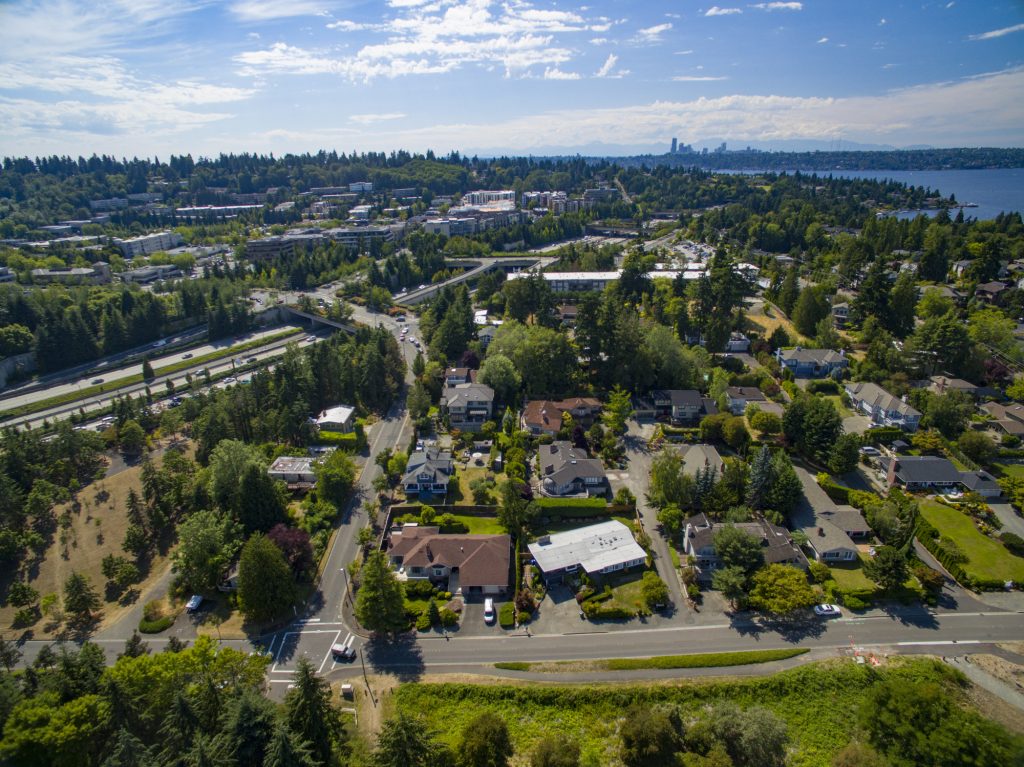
{"x": 344, "y": 575}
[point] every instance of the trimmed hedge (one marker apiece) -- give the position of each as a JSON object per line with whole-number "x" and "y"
{"x": 573, "y": 507}
{"x": 824, "y": 386}
{"x": 156, "y": 626}
{"x": 516, "y": 665}
{"x": 883, "y": 435}
{"x": 928, "y": 535}
{"x": 836, "y": 492}
{"x": 507, "y": 615}
{"x": 344, "y": 441}
{"x": 705, "y": 660}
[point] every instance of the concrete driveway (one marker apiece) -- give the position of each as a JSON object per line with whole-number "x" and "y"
{"x": 1012, "y": 522}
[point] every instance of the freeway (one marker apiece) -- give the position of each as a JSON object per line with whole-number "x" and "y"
{"x": 102, "y": 401}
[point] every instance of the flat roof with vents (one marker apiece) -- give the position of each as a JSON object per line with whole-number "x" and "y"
{"x": 595, "y": 548}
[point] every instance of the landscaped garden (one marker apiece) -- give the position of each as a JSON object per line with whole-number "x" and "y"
{"x": 986, "y": 558}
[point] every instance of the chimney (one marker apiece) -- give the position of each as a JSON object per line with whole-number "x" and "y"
{"x": 894, "y": 466}
{"x": 821, "y": 532}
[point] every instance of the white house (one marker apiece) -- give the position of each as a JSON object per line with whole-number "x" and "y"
{"x": 338, "y": 418}
{"x": 606, "y": 547}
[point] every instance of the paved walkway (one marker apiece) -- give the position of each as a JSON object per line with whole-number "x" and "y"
{"x": 986, "y": 681}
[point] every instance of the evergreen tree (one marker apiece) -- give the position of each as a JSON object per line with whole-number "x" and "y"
{"x": 266, "y": 588}
{"x": 903, "y": 305}
{"x": 247, "y": 728}
{"x": 379, "y": 602}
{"x": 810, "y": 309}
{"x": 285, "y": 750}
{"x": 147, "y": 370}
{"x": 789, "y": 292}
{"x": 260, "y": 505}
{"x": 485, "y": 742}
{"x": 786, "y": 488}
{"x": 310, "y": 714}
{"x": 760, "y": 479}
{"x": 80, "y": 598}
{"x": 405, "y": 741}
{"x": 127, "y": 751}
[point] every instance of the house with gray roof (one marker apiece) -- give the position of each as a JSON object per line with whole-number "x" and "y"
{"x": 699, "y": 457}
{"x": 928, "y": 473}
{"x": 1008, "y": 418}
{"x": 883, "y": 408}
{"x": 566, "y": 470}
{"x": 741, "y": 396}
{"x": 812, "y": 363}
{"x": 606, "y": 547}
{"x": 777, "y": 544}
{"x": 467, "y": 406}
{"x": 682, "y": 406}
{"x": 428, "y": 472}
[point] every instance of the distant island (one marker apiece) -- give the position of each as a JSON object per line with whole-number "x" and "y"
{"x": 897, "y": 159}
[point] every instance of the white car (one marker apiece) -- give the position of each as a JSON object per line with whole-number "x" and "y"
{"x": 343, "y": 652}
{"x": 230, "y": 380}
{"x": 488, "y": 611}
{"x": 828, "y": 611}
{"x": 868, "y": 450}
{"x": 194, "y": 603}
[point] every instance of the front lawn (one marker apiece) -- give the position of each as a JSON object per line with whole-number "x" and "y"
{"x": 460, "y": 492}
{"x": 986, "y": 557}
{"x": 481, "y": 525}
{"x": 837, "y": 400}
{"x": 1015, "y": 470}
{"x": 849, "y": 576}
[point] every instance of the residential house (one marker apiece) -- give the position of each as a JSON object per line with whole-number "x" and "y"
{"x": 545, "y": 416}
{"x": 340, "y": 418}
{"x": 740, "y": 396}
{"x": 456, "y": 376}
{"x": 991, "y": 292}
{"x": 295, "y": 471}
{"x": 944, "y": 384}
{"x": 682, "y": 406}
{"x": 467, "y": 406}
{"x": 567, "y": 313}
{"x": 606, "y": 547}
{"x": 777, "y": 544}
{"x": 699, "y": 457}
{"x": 428, "y": 472}
{"x": 883, "y": 408}
{"x": 827, "y": 537}
{"x": 567, "y": 470}
{"x": 840, "y": 314}
{"x": 470, "y": 565}
{"x": 1008, "y": 418}
{"x": 960, "y": 267}
{"x": 737, "y": 343}
{"x": 929, "y": 473}
{"x": 812, "y": 363}
{"x": 485, "y": 335}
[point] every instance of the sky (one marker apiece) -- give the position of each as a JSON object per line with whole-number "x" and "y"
{"x": 160, "y": 77}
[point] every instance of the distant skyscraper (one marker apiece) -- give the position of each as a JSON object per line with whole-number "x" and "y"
{"x": 675, "y": 144}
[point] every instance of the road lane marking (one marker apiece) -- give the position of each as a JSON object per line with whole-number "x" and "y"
{"x": 328, "y": 654}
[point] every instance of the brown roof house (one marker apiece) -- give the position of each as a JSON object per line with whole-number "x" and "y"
{"x": 541, "y": 416}
{"x": 462, "y": 564}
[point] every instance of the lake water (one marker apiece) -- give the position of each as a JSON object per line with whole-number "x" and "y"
{"x": 993, "y": 191}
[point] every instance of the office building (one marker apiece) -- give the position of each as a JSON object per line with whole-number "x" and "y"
{"x": 148, "y": 243}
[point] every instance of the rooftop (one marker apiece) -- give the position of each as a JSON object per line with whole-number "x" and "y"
{"x": 593, "y": 548}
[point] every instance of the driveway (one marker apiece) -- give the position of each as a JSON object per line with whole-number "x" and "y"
{"x": 1012, "y": 522}
{"x": 856, "y": 424}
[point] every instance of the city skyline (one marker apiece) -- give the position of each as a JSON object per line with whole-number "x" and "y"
{"x": 148, "y": 78}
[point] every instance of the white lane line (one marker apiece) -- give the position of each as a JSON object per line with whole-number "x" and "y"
{"x": 327, "y": 655}
{"x": 927, "y": 643}
{"x": 270, "y": 648}
{"x": 277, "y": 659}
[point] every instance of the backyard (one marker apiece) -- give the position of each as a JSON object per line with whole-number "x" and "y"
{"x": 986, "y": 557}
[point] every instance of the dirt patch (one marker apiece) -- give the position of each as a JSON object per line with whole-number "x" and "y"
{"x": 94, "y": 526}
{"x": 1006, "y": 671}
{"x": 1017, "y": 647}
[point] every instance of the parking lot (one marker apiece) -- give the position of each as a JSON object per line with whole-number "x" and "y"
{"x": 313, "y": 643}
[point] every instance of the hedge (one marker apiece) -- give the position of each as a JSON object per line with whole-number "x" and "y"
{"x": 156, "y": 626}
{"x": 928, "y": 535}
{"x": 514, "y": 665}
{"x": 573, "y": 507}
{"x": 346, "y": 441}
{"x": 883, "y": 435}
{"x": 705, "y": 660}
{"x": 595, "y": 611}
{"x": 507, "y": 615}
{"x": 823, "y": 387}
{"x": 836, "y": 492}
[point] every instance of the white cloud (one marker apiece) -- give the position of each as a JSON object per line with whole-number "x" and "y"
{"x": 714, "y": 10}
{"x": 882, "y": 23}
{"x": 369, "y": 119}
{"x": 269, "y": 10}
{"x": 554, "y": 73}
{"x": 653, "y": 34}
{"x": 683, "y": 53}
{"x": 778, "y": 6}
{"x": 608, "y": 66}
{"x": 997, "y": 33}
{"x": 598, "y": 40}
{"x": 696, "y": 78}
{"x": 822, "y": 40}
{"x": 431, "y": 38}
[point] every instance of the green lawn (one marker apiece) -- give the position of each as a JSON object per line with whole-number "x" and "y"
{"x": 837, "y": 400}
{"x": 560, "y": 525}
{"x": 850, "y": 576}
{"x": 481, "y": 525}
{"x": 1015, "y": 470}
{"x": 986, "y": 558}
{"x": 626, "y": 591}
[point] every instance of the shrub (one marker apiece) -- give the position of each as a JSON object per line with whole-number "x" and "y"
{"x": 820, "y": 572}
{"x": 423, "y": 622}
{"x": 522, "y": 618}
{"x": 419, "y": 589}
{"x": 449, "y": 618}
{"x": 157, "y": 625}
{"x": 596, "y": 611}
{"x": 507, "y": 615}
{"x": 823, "y": 387}
{"x": 882, "y": 435}
{"x": 152, "y": 611}
{"x": 348, "y": 442}
{"x": 1013, "y": 542}
{"x": 854, "y": 603}
{"x": 513, "y": 665}
{"x": 931, "y": 579}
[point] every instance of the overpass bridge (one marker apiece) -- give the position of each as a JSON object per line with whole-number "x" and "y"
{"x": 316, "y": 319}
{"x": 475, "y": 268}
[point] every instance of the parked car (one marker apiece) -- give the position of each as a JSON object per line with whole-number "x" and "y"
{"x": 312, "y": 339}
{"x": 194, "y": 603}
{"x": 343, "y": 652}
{"x": 489, "y": 611}
{"x": 828, "y": 611}
{"x": 159, "y": 343}
{"x": 96, "y": 381}
{"x": 251, "y": 360}
{"x": 868, "y": 450}
{"x": 230, "y": 380}
{"x": 187, "y": 356}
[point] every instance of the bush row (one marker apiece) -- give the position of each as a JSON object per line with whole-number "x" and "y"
{"x": 705, "y": 660}
{"x": 157, "y": 625}
{"x": 928, "y": 535}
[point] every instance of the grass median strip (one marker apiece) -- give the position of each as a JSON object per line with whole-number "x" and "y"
{"x": 119, "y": 383}
{"x": 699, "y": 660}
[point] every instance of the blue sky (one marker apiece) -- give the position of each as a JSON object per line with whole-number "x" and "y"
{"x": 155, "y": 77}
